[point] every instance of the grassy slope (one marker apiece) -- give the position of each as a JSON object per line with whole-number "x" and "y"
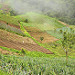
{"x": 41, "y": 21}
{"x": 59, "y": 50}
{"x": 56, "y": 33}
{"x": 8, "y": 19}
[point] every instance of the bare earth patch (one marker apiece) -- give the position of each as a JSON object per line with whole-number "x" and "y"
{"x": 47, "y": 37}
{"x": 14, "y": 41}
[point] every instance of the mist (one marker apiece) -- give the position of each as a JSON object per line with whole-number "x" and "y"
{"x": 39, "y": 6}
{"x": 42, "y": 6}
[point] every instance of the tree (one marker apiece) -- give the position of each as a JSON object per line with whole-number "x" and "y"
{"x": 61, "y": 31}
{"x": 68, "y": 42}
{"x": 41, "y": 38}
{"x": 26, "y": 21}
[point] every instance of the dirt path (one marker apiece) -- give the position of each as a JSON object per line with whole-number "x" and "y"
{"x": 16, "y": 42}
{"x": 64, "y": 23}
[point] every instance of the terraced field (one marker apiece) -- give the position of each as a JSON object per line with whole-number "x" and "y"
{"x": 33, "y": 31}
{"x": 14, "y": 41}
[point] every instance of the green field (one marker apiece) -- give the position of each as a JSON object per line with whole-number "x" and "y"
{"x": 56, "y": 33}
{"x": 18, "y": 65}
{"x": 40, "y": 21}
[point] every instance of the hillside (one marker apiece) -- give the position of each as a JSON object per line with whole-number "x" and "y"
{"x": 35, "y": 43}
{"x": 35, "y": 27}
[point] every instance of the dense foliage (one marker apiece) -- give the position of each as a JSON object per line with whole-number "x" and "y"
{"x": 17, "y": 65}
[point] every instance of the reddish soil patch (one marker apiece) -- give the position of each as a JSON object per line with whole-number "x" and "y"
{"x": 17, "y": 44}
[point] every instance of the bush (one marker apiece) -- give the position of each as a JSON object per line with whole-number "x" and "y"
{"x": 23, "y": 51}
{"x": 26, "y": 21}
{"x": 41, "y": 38}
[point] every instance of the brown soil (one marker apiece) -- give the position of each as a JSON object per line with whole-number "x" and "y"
{"x": 47, "y": 37}
{"x": 37, "y": 33}
{"x": 14, "y": 41}
{"x": 32, "y": 29}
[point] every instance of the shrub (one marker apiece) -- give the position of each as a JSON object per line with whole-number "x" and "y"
{"x": 26, "y": 21}
{"x": 23, "y": 51}
{"x": 61, "y": 31}
{"x": 41, "y": 38}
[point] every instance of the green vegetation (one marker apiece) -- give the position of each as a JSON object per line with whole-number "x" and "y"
{"x": 17, "y": 65}
{"x": 24, "y": 62}
{"x": 24, "y": 31}
{"x": 0, "y": 6}
{"x": 56, "y": 32}
{"x": 27, "y": 53}
{"x": 8, "y": 19}
{"x": 68, "y": 42}
{"x": 40, "y": 21}
{"x": 56, "y": 50}
{"x": 3, "y": 73}
{"x": 41, "y": 38}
